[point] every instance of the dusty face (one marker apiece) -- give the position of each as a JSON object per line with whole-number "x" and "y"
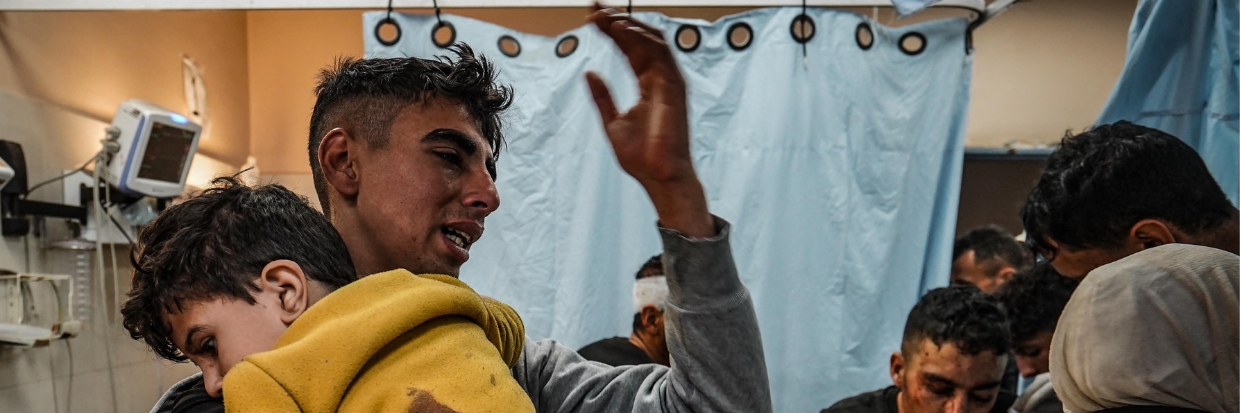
{"x": 1033, "y": 355}
{"x": 939, "y": 379}
{"x": 424, "y": 196}
{"x": 966, "y": 270}
{"x": 217, "y": 334}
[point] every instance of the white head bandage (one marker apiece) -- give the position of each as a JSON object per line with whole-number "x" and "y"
{"x": 650, "y": 291}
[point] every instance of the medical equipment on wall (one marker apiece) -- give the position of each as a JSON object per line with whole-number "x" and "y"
{"x": 17, "y": 292}
{"x": 155, "y": 149}
{"x": 144, "y": 160}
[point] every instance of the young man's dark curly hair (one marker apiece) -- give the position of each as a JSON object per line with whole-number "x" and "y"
{"x": 1034, "y": 300}
{"x": 1098, "y": 184}
{"x": 364, "y": 96}
{"x": 216, "y": 244}
{"x": 961, "y": 316}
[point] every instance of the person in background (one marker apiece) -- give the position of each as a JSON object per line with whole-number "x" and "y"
{"x": 647, "y": 343}
{"x": 956, "y": 344}
{"x": 1157, "y": 331}
{"x": 1119, "y": 189}
{"x": 987, "y": 257}
{"x": 1033, "y": 301}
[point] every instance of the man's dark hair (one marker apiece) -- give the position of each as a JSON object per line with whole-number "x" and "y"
{"x": 652, "y": 268}
{"x": 364, "y": 96}
{"x": 958, "y": 315}
{"x": 994, "y": 248}
{"x": 216, "y": 244}
{"x": 1034, "y": 299}
{"x": 1100, "y": 183}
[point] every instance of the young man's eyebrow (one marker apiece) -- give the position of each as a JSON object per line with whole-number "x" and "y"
{"x": 454, "y": 137}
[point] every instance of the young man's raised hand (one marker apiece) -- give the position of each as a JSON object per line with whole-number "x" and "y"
{"x": 651, "y": 140}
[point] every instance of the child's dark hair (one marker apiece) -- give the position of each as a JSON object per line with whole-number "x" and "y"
{"x": 1034, "y": 300}
{"x": 216, "y": 244}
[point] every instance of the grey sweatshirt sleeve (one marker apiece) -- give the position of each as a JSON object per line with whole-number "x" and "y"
{"x": 712, "y": 334}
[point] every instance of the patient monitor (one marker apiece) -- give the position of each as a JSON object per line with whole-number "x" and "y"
{"x": 156, "y": 147}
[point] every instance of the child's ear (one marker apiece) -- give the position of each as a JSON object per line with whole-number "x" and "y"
{"x": 287, "y": 281}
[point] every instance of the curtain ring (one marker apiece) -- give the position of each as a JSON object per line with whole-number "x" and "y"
{"x": 387, "y": 20}
{"x": 379, "y": 37}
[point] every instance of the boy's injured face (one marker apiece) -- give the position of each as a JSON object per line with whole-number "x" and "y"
{"x": 217, "y": 334}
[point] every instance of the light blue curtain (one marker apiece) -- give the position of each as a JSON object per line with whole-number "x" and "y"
{"x": 907, "y": 7}
{"x": 1180, "y": 77}
{"x": 838, "y": 167}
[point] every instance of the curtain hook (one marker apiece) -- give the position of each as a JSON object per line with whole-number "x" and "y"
{"x": 389, "y": 13}
{"x": 437, "y": 11}
{"x": 629, "y": 9}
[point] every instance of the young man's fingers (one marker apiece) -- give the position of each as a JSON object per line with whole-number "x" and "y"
{"x": 613, "y": 14}
{"x": 658, "y": 34}
{"x": 643, "y": 51}
{"x": 602, "y": 98}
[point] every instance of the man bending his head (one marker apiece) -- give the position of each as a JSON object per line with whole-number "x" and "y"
{"x": 648, "y": 342}
{"x": 987, "y": 257}
{"x": 1122, "y": 188}
{"x": 955, "y": 347}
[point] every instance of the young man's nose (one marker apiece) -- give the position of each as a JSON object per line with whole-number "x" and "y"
{"x": 481, "y": 194}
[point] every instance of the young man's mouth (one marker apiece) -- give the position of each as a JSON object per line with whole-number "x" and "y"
{"x": 459, "y": 236}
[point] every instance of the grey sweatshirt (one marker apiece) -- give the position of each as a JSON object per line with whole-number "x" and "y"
{"x": 712, "y": 334}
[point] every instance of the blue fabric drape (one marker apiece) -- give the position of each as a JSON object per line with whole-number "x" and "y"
{"x": 1181, "y": 77}
{"x": 907, "y": 7}
{"x": 839, "y": 168}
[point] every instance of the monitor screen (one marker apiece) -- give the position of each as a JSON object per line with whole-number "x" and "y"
{"x": 166, "y": 153}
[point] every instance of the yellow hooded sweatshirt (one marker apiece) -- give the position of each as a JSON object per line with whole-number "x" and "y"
{"x": 389, "y": 342}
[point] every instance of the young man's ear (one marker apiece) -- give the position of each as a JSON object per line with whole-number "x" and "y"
{"x": 338, "y": 161}
{"x": 1149, "y": 233}
{"x": 897, "y": 370}
{"x": 286, "y": 281}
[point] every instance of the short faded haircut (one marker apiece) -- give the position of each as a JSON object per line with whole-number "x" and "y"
{"x": 364, "y": 96}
